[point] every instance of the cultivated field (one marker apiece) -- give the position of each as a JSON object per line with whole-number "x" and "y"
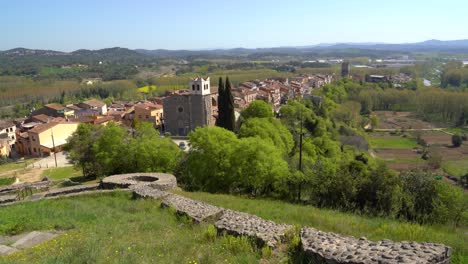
{"x": 402, "y": 120}
{"x": 395, "y": 143}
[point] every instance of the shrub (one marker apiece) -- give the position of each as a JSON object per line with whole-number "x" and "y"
{"x": 457, "y": 140}
{"x": 210, "y": 233}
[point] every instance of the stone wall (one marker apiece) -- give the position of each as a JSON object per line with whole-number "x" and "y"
{"x": 317, "y": 246}
{"x": 324, "y": 247}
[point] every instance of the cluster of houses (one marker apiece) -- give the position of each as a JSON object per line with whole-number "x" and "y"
{"x": 277, "y": 91}
{"x": 46, "y": 130}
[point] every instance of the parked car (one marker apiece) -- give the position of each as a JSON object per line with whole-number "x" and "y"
{"x": 182, "y": 145}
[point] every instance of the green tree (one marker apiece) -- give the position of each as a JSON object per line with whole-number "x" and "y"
{"x": 226, "y": 117}
{"x": 269, "y": 129}
{"x": 229, "y": 100}
{"x": 80, "y": 148}
{"x": 258, "y": 108}
{"x": 150, "y": 153}
{"x": 221, "y": 103}
{"x": 258, "y": 166}
{"x": 209, "y": 159}
{"x": 111, "y": 149}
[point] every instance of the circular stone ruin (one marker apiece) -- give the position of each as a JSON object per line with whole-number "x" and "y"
{"x": 161, "y": 181}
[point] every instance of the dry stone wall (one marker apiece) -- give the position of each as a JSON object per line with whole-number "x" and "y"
{"x": 318, "y": 246}
{"x": 241, "y": 224}
{"x": 196, "y": 210}
{"x": 324, "y": 247}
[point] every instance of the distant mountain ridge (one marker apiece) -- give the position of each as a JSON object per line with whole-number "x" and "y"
{"x": 425, "y": 46}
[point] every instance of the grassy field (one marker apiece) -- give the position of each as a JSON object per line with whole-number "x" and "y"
{"x": 62, "y": 173}
{"x": 12, "y": 166}
{"x": 456, "y": 167}
{"x": 113, "y": 228}
{"x": 7, "y": 181}
{"x": 392, "y": 143}
{"x": 343, "y": 223}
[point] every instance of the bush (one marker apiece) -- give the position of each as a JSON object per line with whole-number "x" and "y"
{"x": 457, "y": 140}
{"x": 210, "y": 233}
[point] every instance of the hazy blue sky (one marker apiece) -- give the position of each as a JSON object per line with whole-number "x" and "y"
{"x": 199, "y": 24}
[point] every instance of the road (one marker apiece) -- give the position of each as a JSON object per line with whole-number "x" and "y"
{"x": 49, "y": 162}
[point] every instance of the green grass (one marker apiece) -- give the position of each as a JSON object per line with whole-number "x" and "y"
{"x": 405, "y": 160}
{"x": 456, "y": 167}
{"x": 343, "y": 223}
{"x": 113, "y": 228}
{"x": 393, "y": 143}
{"x": 7, "y": 181}
{"x": 62, "y": 173}
{"x": 16, "y": 165}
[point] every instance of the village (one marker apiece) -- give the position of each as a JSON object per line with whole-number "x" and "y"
{"x": 45, "y": 131}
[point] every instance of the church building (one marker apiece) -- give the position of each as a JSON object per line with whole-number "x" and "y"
{"x": 188, "y": 109}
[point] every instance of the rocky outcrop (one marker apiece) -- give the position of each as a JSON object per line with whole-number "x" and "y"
{"x": 196, "y": 210}
{"x": 241, "y": 224}
{"x": 324, "y": 247}
{"x": 161, "y": 181}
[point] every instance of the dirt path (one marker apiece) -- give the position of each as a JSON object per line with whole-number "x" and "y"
{"x": 24, "y": 175}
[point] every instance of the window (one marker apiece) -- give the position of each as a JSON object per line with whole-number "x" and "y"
{"x": 180, "y": 109}
{"x": 33, "y": 138}
{"x": 147, "y": 116}
{"x": 198, "y": 87}
{"x": 34, "y": 149}
{"x": 193, "y": 87}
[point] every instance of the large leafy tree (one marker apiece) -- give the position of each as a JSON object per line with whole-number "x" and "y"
{"x": 209, "y": 159}
{"x": 258, "y": 166}
{"x": 257, "y": 108}
{"x": 269, "y": 129}
{"x": 148, "y": 152}
{"x": 80, "y": 147}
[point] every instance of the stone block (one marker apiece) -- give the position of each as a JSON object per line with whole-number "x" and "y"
{"x": 196, "y": 210}
{"x": 242, "y": 224}
{"x": 324, "y": 247}
{"x": 32, "y": 239}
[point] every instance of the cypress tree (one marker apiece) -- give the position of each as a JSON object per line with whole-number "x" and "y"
{"x": 230, "y": 118}
{"x": 221, "y": 104}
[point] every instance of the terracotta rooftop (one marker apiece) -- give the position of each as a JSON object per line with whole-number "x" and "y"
{"x": 55, "y": 106}
{"x": 43, "y": 127}
{"x": 6, "y": 124}
{"x": 94, "y": 103}
{"x": 42, "y": 118}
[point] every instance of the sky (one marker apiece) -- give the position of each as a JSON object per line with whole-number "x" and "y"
{"x": 68, "y": 25}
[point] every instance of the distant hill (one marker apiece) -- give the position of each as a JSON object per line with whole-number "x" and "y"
{"x": 117, "y": 53}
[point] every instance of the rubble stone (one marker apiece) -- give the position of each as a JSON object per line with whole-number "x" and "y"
{"x": 162, "y": 181}
{"x": 324, "y": 247}
{"x": 242, "y": 224}
{"x": 196, "y": 210}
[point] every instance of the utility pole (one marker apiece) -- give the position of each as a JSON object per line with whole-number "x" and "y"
{"x": 300, "y": 149}
{"x": 53, "y": 145}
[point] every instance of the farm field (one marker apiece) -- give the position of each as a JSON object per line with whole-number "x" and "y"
{"x": 404, "y": 153}
{"x": 402, "y": 120}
